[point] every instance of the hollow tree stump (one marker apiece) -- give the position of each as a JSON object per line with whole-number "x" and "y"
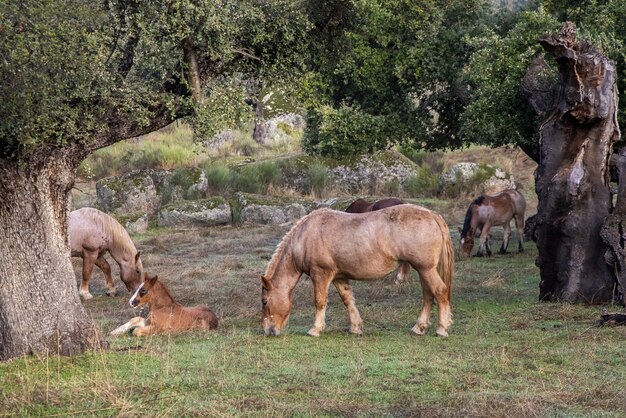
{"x": 572, "y": 180}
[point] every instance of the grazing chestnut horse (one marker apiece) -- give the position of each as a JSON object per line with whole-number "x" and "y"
{"x": 493, "y": 210}
{"x": 166, "y": 316}
{"x": 362, "y": 206}
{"x": 317, "y": 246}
{"x": 94, "y": 233}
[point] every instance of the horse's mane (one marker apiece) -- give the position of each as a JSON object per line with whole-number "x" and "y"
{"x": 119, "y": 239}
{"x": 280, "y": 249}
{"x": 468, "y": 215}
{"x": 162, "y": 288}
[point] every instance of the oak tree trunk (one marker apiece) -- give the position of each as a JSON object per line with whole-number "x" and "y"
{"x": 40, "y": 310}
{"x": 572, "y": 179}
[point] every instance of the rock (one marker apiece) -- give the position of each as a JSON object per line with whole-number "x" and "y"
{"x": 459, "y": 172}
{"x": 134, "y": 223}
{"x": 134, "y": 192}
{"x": 250, "y": 209}
{"x": 373, "y": 172}
{"x": 198, "y": 213}
{"x": 495, "y": 179}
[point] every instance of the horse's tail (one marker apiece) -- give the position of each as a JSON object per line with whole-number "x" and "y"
{"x": 445, "y": 268}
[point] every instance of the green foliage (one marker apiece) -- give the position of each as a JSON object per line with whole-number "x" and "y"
{"x": 257, "y": 178}
{"x": 167, "y": 149}
{"x": 320, "y": 178}
{"x": 499, "y": 113}
{"x": 344, "y": 131}
{"x": 424, "y": 184}
{"x": 94, "y": 73}
{"x": 219, "y": 178}
{"x": 401, "y": 63}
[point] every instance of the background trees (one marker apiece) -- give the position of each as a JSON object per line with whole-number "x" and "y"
{"x": 394, "y": 74}
{"x": 444, "y": 74}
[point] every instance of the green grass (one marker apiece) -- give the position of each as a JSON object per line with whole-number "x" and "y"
{"x": 507, "y": 354}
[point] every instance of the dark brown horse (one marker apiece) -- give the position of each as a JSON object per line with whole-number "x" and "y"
{"x": 362, "y": 206}
{"x": 317, "y": 246}
{"x": 166, "y": 316}
{"x": 493, "y": 210}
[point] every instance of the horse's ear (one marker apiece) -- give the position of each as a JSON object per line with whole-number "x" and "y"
{"x": 150, "y": 278}
{"x": 267, "y": 284}
{"x": 137, "y": 256}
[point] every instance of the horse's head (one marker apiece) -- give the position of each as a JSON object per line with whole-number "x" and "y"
{"x": 143, "y": 295}
{"x": 466, "y": 244}
{"x": 132, "y": 273}
{"x": 276, "y": 307}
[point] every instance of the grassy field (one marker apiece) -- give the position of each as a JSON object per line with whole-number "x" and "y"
{"x": 507, "y": 354}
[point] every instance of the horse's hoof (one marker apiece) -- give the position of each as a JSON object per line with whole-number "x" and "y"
{"x": 112, "y": 292}
{"x": 356, "y": 331}
{"x": 417, "y": 330}
{"x": 313, "y": 332}
{"x": 86, "y": 296}
{"x": 442, "y": 333}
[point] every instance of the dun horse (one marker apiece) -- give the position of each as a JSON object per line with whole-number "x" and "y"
{"x": 94, "y": 233}
{"x": 495, "y": 210}
{"x": 334, "y": 247}
{"x": 362, "y": 206}
{"x": 166, "y": 316}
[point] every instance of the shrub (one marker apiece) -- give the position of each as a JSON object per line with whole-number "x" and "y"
{"x": 219, "y": 178}
{"x": 247, "y": 180}
{"x": 423, "y": 184}
{"x": 319, "y": 179}
{"x": 392, "y": 187}
{"x": 344, "y": 131}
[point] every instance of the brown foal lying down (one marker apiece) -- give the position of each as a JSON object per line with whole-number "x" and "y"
{"x": 166, "y": 316}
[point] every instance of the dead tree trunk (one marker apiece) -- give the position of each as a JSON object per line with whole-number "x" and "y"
{"x": 572, "y": 180}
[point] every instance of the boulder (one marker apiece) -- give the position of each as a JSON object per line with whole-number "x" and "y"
{"x": 488, "y": 178}
{"x": 134, "y": 192}
{"x": 197, "y": 213}
{"x": 251, "y": 209}
{"x": 134, "y": 222}
{"x": 373, "y": 172}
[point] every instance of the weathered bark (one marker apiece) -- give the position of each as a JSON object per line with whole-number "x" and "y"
{"x": 572, "y": 180}
{"x": 40, "y": 310}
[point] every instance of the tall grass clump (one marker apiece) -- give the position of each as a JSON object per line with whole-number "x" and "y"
{"x": 320, "y": 178}
{"x": 219, "y": 178}
{"x": 258, "y": 178}
{"x": 166, "y": 149}
{"x": 423, "y": 184}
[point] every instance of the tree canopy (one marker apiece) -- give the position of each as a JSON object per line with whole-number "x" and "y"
{"x": 95, "y": 73}
{"x": 443, "y": 74}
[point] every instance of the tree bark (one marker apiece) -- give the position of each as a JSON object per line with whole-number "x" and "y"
{"x": 40, "y": 310}
{"x": 572, "y": 180}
